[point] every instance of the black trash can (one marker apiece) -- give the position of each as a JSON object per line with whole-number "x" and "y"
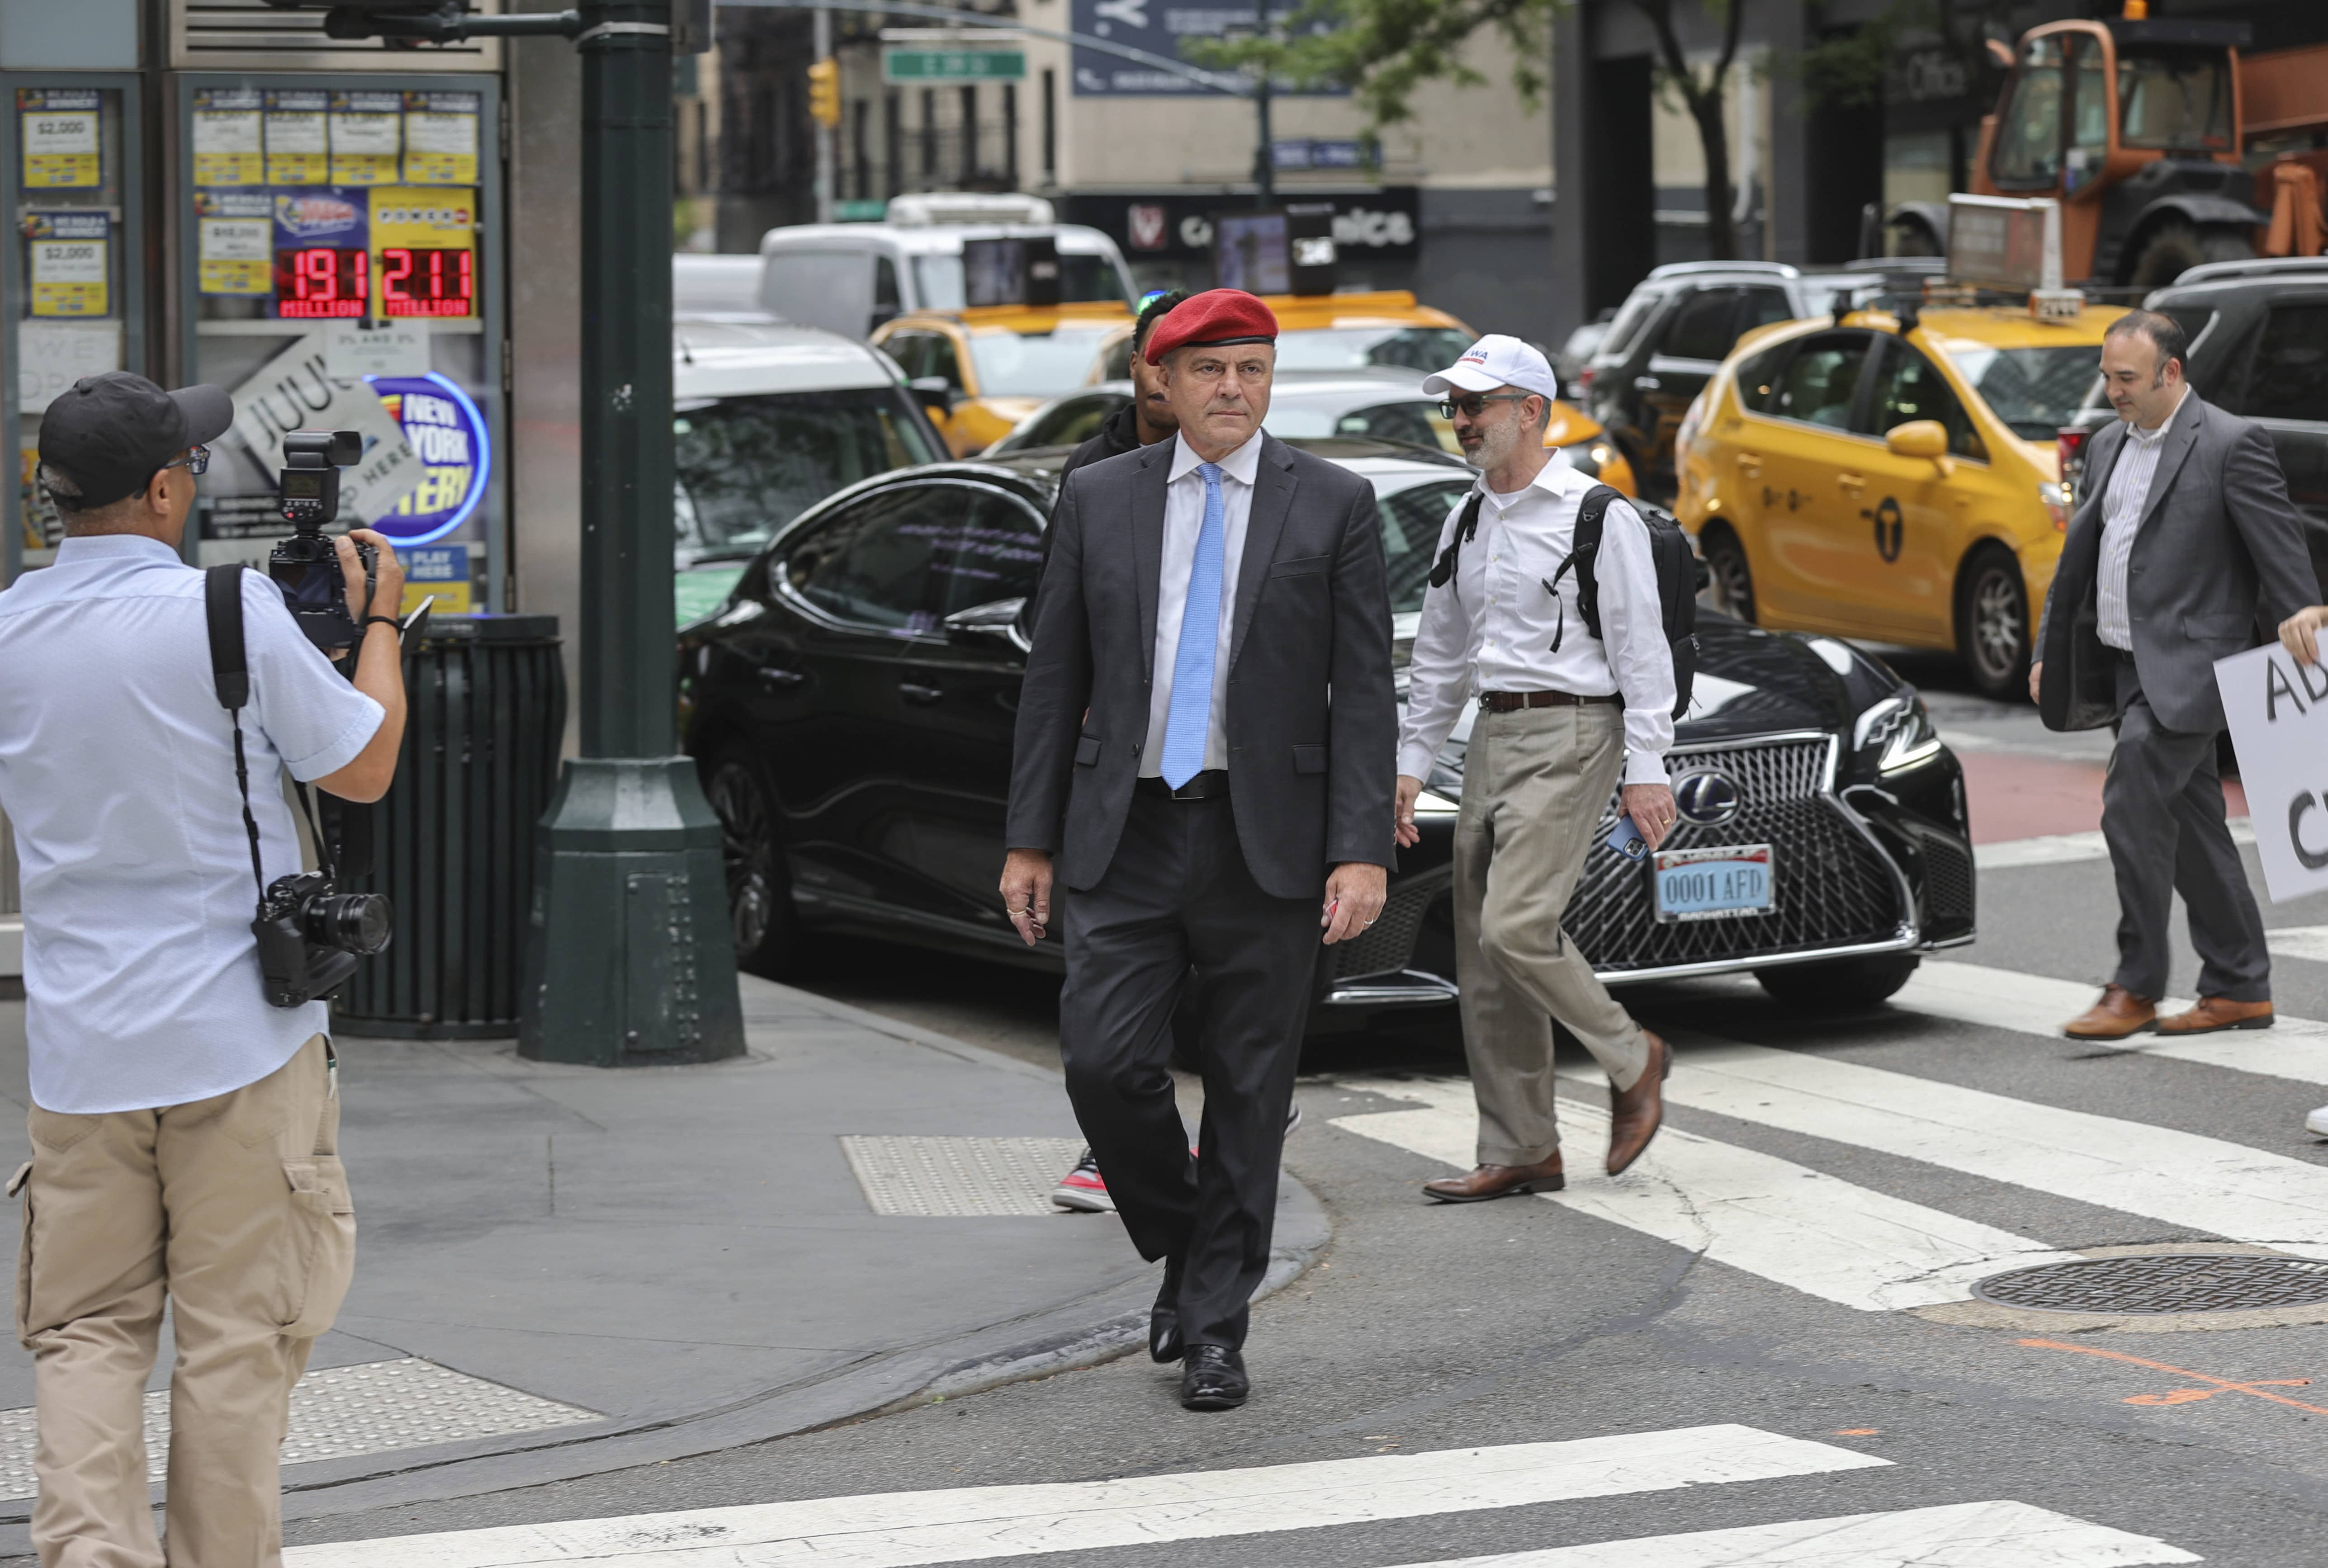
{"x": 453, "y": 839}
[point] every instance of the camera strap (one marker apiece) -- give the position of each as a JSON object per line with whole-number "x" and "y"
{"x": 231, "y": 673}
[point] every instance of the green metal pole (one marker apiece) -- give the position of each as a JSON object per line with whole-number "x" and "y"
{"x": 629, "y": 959}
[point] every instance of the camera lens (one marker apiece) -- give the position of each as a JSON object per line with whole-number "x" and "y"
{"x": 350, "y": 922}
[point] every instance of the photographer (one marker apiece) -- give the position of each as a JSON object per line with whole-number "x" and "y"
{"x": 184, "y": 1132}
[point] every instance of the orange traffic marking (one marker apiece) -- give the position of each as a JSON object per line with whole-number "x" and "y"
{"x": 1861, "y": 1431}
{"x": 2186, "y": 1395}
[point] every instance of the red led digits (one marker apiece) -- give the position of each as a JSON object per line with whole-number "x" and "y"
{"x": 321, "y": 281}
{"x": 425, "y": 281}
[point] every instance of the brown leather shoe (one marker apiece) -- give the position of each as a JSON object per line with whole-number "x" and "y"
{"x": 1635, "y": 1114}
{"x": 2218, "y": 1012}
{"x": 2118, "y": 1014}
{"x": 1497, "y": 1181}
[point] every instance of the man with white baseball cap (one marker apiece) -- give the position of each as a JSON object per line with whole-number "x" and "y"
{"x": 1561, "y": 712}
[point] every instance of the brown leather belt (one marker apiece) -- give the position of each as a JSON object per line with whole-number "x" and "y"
{"x": 1512, "y": 702}
{"x": 1211, "y": 785}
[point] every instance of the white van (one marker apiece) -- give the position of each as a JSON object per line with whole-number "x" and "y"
{"x": 850, "y": 278}
{"x": 767, "y": 419}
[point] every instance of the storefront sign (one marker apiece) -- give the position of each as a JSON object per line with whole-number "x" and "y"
{"x": 58, "y": 131}
{"x": 426, "y": 238}
{"x": 352, "y": 349}
{"x": 436, "y": 573}
{"x": 230, "y": 140}
{"x": 447, "y": 433}
{"x": 69, "y": 258}
{"x": 1381, "y": 225}
{"x": 1155, "y": 27}
{"x": 440, "y": 138}
{"x": 2278, "y": 713}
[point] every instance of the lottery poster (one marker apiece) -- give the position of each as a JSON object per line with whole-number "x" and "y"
{"x": 367, "y": 137}
{"x": 69, "y": 262}
{"x": 298, "y": 149}
{"x": 324, "y": 217}
{"x": 229, "y": 137}
{"x": 58, "y": 131}
{"x": 447, "y": 434}
{"x": 426, "y": 238}
{"x": 234, "y": 242}
{"x": 440, "y": 137}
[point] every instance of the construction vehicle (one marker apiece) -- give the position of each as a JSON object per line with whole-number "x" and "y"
{"x": 2165, "y": 142}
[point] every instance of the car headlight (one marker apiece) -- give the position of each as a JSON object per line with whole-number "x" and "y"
{"x": 1588, "y": 457}
{"x": 1900, "y": 730}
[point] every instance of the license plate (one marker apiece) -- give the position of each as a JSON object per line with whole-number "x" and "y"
{"x": 1713, "y": 884}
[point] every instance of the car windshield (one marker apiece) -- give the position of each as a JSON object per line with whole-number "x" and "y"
{"x": 745, "y": 466}
{"x": 1029, "y": 365}
{"x": 2033, "y": 390}
{"x": 1354, "y": 348}
{"x": 2174, "y": 97}
{"x": 1082, "y": 280}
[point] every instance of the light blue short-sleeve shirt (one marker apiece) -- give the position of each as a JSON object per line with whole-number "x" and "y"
{"x": 116, "y": 772}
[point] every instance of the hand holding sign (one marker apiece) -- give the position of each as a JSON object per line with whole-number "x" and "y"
{"x": 2299, "y": 633}
{"x": 2278, "y": 705}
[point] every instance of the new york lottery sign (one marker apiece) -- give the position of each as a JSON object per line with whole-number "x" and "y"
{"x": 448, "y": 434}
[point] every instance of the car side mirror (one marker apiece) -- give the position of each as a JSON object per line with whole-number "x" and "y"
{"x": 988, "y": 624}
{"x": 1918, "y": 439}
{"x": 935, "y": 393}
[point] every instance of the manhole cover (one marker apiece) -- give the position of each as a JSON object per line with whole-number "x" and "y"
{"x": 2162, "y": 1283}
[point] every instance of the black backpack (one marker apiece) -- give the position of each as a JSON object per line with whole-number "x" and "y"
{"x": 1669, "y": 547}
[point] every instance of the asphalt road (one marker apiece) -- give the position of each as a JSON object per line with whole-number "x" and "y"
{"x": 1537, "y": 1321}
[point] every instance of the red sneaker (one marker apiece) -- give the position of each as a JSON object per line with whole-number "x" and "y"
{"x": 1082, "y": 1189}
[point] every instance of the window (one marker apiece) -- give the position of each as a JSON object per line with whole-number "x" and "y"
{"x": 1758, "y": 378}
{"x": 1763, "y": 306}
{"x": 989, "y": 549}
{"x": 938, "y": 359}
{"x": 1913, "y": 389}
{"x": 2289, "y": 379}
{"x": 885, "y": 283}
{"x": 2033, "y": 390}
{"x": 1117, "y": 365}
{"x": 1822, "y": 379}
{"x": 1412, "y": 520}
{"x": 1070, "y": 421}
{"x": 942, "y": 286}
{"x": 2088, "y": 101}
{"x": 1639, "y": 306}
{"x": 1416, "y": 423}
{"x": 871, "y": 564}
{"x": 1703, "y": 327}
{"x": 2029, "y": 133}
{"x": 2174, "y": 97}
{"x": 1354, "y": 348}
{"x": 1032, "y": 364}
{"x": 911, "y": 350}
{"x": 745, "y": 466}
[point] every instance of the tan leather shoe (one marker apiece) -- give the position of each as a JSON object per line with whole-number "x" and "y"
{"x": 2118, "y": 1014}
{"x": 1497, "y": 1181}
{"x": 1635, "y": 1114}
{"x": 2218, "y": 1012}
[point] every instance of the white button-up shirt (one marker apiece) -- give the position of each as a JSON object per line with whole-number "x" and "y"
{"x": 1491, "y": 627}
{"x": 1184, "y": 518}
{"x": 2123, "y": 504}
{"x": 117, "y": 769}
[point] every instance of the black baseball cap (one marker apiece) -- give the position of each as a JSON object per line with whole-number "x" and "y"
{"x": 110, "y": 433}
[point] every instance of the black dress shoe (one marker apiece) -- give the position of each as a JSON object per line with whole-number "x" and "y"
{"x": 1212, "y": 1377}
{"x": 1164, "y": 1344}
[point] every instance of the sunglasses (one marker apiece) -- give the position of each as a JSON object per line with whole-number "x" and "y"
{"x": 1475, "y": 404}
{"x": 197, "y": 460}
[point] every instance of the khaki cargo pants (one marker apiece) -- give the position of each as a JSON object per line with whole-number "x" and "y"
{"x": 236, "y": 1210}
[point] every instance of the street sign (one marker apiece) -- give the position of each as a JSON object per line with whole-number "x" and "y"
{"x": 2278, "y": 713}
{"x": 931, "y": 65}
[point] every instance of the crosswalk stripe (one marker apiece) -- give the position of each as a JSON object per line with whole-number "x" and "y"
{"x": 1801, "y": 1227}
{"x": 2038, "y": 1004}
{"x": 2204, "y": 1184}
{"x": 2307, "y": 941}
{"x": 2062, "y": 848}
{"x": 971, "y": 1523}
{"x": 1998, "y": 1534}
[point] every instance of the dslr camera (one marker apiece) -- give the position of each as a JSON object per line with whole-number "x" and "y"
{"x": 307, "y": 566}
{"x": 311, "y": 936}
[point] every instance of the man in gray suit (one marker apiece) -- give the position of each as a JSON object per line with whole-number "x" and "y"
{"x": 1204, "y": 744}
{"x": 2186, "y": 550}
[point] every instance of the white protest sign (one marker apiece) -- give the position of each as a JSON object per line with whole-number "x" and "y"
{"x": 2278, "y": 712}
{"x": 296, "y": 390}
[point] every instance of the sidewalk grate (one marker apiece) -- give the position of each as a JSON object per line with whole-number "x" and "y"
{"x": 2162, "y": 1283}
{"x": 959, "y": 1176}
{"x": 341, "y": 1413}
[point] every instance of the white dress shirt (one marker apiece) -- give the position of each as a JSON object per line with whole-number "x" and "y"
{"x": 1491, "y": 628}
{"x": 117, "y": 769}
{"x": 1184, "y": 518}
{"x": 2123, "y": 504}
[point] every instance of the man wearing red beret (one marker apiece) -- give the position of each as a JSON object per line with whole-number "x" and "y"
{"x": 1204, "y": 757}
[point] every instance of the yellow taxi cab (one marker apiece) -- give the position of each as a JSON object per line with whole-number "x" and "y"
{"x": 1386, "y": 330}
{"x": 987, "y": 367}
{"x": 1891, "y": 476}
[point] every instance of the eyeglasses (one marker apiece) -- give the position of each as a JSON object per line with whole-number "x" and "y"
{"x": 197, "y": 460}
{"x": 1473, "y": 406}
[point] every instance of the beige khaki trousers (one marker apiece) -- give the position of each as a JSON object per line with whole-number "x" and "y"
{"x": 1535, "y": 784}
{"x": 234, "y": 1209}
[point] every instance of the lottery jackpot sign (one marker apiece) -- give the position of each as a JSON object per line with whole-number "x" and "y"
{"x": 448, "y": 434}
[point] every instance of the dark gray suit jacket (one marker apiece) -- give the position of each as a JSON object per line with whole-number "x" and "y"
{"x": 1312, "y": 718}
{"x": 2219, "y": 561}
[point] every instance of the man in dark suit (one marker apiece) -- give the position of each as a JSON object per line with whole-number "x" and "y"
{"x": 1205, "y": 743}
{"x": 2186, "y": 550}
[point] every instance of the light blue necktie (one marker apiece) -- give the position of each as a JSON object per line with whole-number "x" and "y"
{"x": 1190, "y": 720}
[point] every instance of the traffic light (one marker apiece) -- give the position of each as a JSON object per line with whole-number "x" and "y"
{"x": 824, "y": 91}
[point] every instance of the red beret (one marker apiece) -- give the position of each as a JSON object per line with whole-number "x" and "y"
{"x": 1217, "y": 316}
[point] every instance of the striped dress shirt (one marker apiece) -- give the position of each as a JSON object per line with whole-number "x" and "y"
{"x": 2123, "y": 504}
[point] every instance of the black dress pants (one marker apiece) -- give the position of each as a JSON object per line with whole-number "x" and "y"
{"x": 1177, "y": 896}
{"x": 2163, "y": 819}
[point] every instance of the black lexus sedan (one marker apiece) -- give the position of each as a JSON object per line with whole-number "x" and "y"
{"x": 851, "y": 706}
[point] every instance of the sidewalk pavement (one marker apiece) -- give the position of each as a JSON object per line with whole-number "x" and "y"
{"x": 563, "y": 1271}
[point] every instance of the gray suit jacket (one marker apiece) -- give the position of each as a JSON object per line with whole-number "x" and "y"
{"x": 1312, "y": 718}
{"x": 2219, "y": 561}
